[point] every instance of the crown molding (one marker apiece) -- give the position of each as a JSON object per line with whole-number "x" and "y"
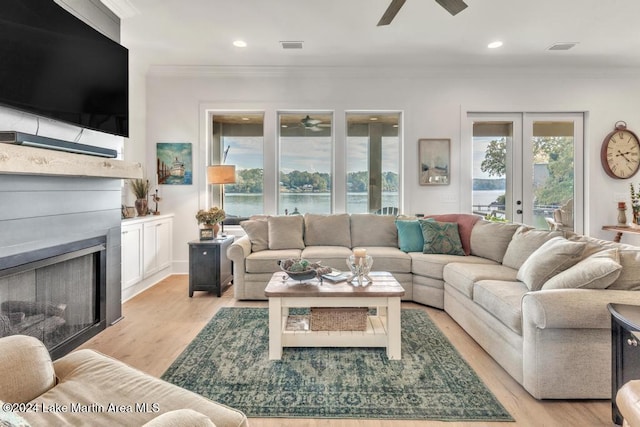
{"x": 478, "y": 72}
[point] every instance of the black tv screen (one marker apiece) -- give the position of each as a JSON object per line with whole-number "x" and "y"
{"x": 54, "y": 65}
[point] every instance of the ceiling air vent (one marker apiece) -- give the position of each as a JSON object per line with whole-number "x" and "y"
{"x": 291, "y": 45}
{"x": 562, "y": 46}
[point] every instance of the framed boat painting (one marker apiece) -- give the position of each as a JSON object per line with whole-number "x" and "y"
{"x": 174, "y": 163}
{"x": 434, "y": 161}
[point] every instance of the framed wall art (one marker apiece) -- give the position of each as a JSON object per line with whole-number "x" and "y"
{"x": 174, "y": 163}
{"x": 434, "y": 161}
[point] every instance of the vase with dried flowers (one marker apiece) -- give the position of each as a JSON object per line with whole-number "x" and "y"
{"x": 140, "y": 188}
{"x": 211, "y": 218}
{"x": 635, "y": 203}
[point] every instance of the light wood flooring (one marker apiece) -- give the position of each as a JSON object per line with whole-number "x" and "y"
{"x": 160, "y": 322}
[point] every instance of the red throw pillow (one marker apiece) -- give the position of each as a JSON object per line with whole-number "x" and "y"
{"x": 465, "y": 225}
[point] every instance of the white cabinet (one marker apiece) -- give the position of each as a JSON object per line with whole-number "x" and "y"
{"x": 131, "y": 242}
{"x": 146, "y": 250}
{"x": 157, "y": 245}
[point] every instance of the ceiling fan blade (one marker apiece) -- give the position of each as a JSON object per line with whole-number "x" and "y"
{"x": 453, "y": 6}
{"x": 391, "y": 12}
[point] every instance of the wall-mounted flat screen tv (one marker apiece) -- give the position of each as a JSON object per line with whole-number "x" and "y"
{"x": 54, "y": 65}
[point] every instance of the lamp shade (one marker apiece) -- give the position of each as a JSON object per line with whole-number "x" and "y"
{"x": 221, "y": 174}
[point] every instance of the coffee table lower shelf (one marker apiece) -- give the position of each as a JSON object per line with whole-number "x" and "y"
{"x": 375, "y": 335}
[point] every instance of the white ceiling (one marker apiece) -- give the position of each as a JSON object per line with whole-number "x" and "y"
{"x": 343, "y": 33}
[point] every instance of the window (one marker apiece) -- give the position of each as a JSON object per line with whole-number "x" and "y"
{"x": 238, "y": 140}
{"x": 373, "y": 163}
{"x": 306, "y": 152}
{"x": 524, "y": 168}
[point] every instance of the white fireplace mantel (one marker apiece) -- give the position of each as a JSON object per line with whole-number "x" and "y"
{"x": 20, "y": 160}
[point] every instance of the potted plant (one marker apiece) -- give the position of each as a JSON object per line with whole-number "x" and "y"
{"x": 140, "y": 188}
{"x": 211, "y": 218}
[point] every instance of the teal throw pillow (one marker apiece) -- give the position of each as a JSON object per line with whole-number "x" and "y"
{"x": 409, "y": 235}
{"x": 441, "y": 238}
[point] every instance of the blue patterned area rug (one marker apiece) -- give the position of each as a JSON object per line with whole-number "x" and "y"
{"x": 228, "y": 362}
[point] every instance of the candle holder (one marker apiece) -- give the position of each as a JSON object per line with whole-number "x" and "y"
{"x": 360, "y": 268}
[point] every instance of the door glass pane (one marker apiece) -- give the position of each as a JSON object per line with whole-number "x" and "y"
{"x": 238, "y": 140}
{"x": 306, "y": 146}
{"x": 553, "y": 174}
{"x": 373, "y": 163}
{"x": 490, "y": 143}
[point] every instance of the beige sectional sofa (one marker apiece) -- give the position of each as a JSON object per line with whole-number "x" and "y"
{"x": 535, "y": 300}
{"x": 86, "y": 388}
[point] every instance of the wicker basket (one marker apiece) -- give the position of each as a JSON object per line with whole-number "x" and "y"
{"x": 339, "y": 318}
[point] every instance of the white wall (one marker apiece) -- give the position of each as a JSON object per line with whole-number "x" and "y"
{"x": 434, "y": 106}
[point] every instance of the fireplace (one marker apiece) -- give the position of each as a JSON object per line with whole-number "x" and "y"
{"x": 56, "y": 294}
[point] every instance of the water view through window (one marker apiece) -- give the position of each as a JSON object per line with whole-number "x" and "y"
{"x": 306, "y": 155}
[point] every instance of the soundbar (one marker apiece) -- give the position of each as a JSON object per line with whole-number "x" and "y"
{"x": 29, "y": 140}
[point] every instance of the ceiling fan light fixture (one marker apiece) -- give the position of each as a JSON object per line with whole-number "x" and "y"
{"x": 240, "y": 43}
{"x": 495, "y": 44}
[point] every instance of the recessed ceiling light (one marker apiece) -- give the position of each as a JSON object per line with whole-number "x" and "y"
{"x": 240, "y": 43}
{"x": 373, "y": 119}
{"x": 494, "y": 45}
{"x": 246, "y": 119}
{"x": 284, "y": 126}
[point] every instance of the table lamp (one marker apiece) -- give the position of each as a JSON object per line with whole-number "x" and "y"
{"x": 221, "y": 174}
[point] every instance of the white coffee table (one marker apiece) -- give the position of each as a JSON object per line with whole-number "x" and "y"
{"x": 383, "y": 329}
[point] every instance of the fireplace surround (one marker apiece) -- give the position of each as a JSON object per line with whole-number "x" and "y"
{"x": 54, "y": 204}
{"x": 56, "y": 294}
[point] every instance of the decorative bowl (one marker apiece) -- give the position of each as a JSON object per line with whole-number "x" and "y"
{"x": 309, "y": 273}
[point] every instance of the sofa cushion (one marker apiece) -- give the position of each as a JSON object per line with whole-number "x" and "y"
{"x": 553, "y": 257}
{"x": 258, "y": 232}
{"x": 431, "y": 265}
{"x": 89, "y": 377}
{"x": 267, "y": 261}
{"x": 503, "y": 300}
{"x": 463, "y": 276}
{"x": 523, "y": 243}
{"x": 389, "y": 259}
{"x": 490, "y": 239}
{"x": 373, "y": 230}
{"x": 327, "y": 230}
{"x": 330, "y": 256}
{"x": 629, "y": 278}
{"x": 594, "y": 272}
{"x": 26, "y": 369}
{"x": 410, "y": 235}
{"x": 465, "y": 223}
{"x": 285, "y": 232}
{"x": 441, "y": 238}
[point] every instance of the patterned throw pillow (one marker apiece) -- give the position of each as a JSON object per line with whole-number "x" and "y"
{"x": 441, "y": 238}
{"x": 11, "y": 419}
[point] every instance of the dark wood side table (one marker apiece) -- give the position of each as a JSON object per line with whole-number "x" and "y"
{"x": 625, "y": 350}
{"x": 209, "y": 267}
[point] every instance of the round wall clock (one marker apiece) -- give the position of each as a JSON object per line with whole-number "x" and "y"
{"x": 620, "y": 152}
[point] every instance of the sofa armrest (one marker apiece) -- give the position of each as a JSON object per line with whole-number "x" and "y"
{"x": 239, "y": 250}
{"x": 573, "y": 308}
{"x": 628, "y": 401}
{"x": 26, "y": 369}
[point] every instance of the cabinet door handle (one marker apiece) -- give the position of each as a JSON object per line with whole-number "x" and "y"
{"x": 632, "y": 341}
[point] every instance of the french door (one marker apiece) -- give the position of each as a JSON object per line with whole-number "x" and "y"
{"x": 528, "y": 168}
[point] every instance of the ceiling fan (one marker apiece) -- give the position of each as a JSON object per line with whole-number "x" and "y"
{"x": 452, "y": 6}
{"x": 314, "y": 125}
